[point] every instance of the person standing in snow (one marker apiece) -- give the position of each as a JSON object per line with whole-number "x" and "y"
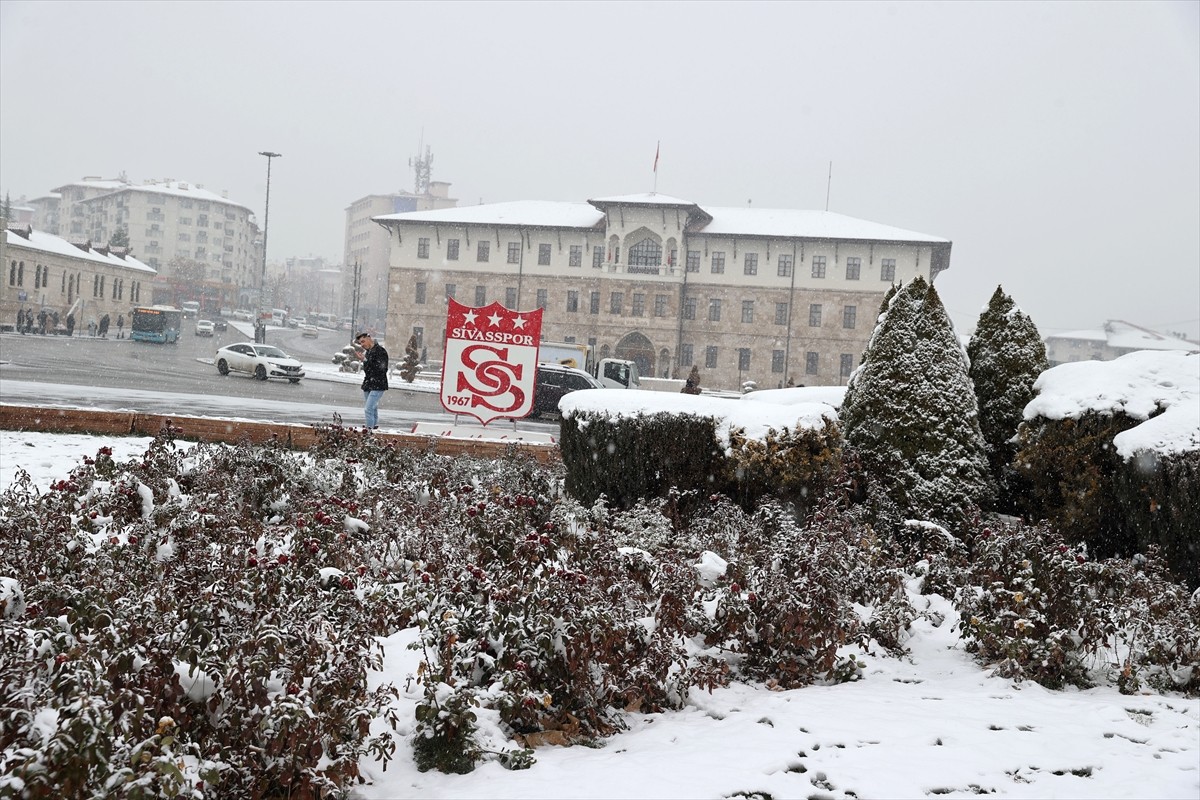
{"x": 375, "y": 381}
{"x": 120, "y": 326}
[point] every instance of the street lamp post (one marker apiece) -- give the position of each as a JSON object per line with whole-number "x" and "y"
{"x": 262, "y": 280}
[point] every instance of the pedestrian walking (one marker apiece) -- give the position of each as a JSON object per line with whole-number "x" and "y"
{"x": 375, "y": 381}
{"x": 104, "y": 327}
{"x": 21, "y": 321}
{"x": 120, "y": 326}
{"x": 70, "y": 325}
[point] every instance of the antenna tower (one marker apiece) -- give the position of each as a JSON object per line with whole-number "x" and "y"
{"x": 422, "y": 167}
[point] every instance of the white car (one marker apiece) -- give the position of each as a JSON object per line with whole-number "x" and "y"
{"x": 263, "y": 361}
{"x": 309, "y": 331}
{"x": 204, "y": 327}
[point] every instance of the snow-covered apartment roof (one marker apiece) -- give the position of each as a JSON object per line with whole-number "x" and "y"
{"x": 167, "y": 187}
{"x": 1123, "y": 336}
{"x": 49, "y": 243}
{"x": 758, "y": 222}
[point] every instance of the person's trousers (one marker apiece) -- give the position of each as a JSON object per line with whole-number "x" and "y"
{"x": 371, "y": 407}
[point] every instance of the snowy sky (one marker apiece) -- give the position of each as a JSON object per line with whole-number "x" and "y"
{"x": 1053, "y": 143}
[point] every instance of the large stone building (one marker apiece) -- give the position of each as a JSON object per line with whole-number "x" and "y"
{"x": 368, "y": 248}
{"x": 770, "y": 296}
{"x": 43, "y": 272}
{"x": 166, "y": 220}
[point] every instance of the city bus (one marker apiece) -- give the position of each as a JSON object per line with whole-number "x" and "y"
{"x": 159, "y": 324}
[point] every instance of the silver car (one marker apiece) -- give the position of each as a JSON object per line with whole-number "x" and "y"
{"x": 263, "y": 361}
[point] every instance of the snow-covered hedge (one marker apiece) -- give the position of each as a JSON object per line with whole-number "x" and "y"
{"x": 1111, "y": 453}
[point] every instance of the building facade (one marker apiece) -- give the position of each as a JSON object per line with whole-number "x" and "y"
{"x": 776, "y": 297}
{"x": 43, "y": 272}
{"x": 168, "y": 220}
{"x": 368, "y": 246}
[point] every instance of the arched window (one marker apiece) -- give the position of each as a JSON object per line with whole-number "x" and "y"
{"x": 646, "y": 253}
{"x": 12, "y": 273}
{"x": 20, "y": 273}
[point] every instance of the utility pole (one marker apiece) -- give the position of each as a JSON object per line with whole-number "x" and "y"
{"x": 262, "y": 281}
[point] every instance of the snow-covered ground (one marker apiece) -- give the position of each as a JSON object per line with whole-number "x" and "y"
{"x": 934, "y": 724}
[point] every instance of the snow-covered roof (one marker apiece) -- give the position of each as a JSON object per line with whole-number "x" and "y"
{"x": 725, "y": 221}
{"x": 536, "y": 213}
{"x": 1139, "y": 385}
{"x": 1121, "y": 335}
{"x": 793, "y": 223}
{"x": 174, "y": 188}
{"x": 49, "y": 243}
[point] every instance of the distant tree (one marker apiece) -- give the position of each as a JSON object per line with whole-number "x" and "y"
{"x": 1007, "y": 355}
{"x": 910, "y": 412}
{"x": 7, "y": 212}
{"x": 412, "y": 360}
{"x": 120, "y": 238}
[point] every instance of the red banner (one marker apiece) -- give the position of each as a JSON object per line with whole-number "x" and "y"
{"x": 490, "y": 361}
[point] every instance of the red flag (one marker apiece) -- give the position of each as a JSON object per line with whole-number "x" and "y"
{"x": 657, "y": 147}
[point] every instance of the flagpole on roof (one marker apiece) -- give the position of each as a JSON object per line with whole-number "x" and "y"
{"x": 657, "y": 147}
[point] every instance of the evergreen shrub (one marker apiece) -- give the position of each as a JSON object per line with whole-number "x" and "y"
{"x": 1160, "y": 501}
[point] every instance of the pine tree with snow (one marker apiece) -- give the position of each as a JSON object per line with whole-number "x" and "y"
{"x": 1007, "y": 355}
{"x": 412, "y": 360}
{"x": 911, "y": 415}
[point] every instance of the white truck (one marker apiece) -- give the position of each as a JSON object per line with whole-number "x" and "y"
{"x": 614, "y": 373}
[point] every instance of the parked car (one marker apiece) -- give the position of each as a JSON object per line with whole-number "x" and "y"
{"x": 204, "y": 327}
{"x": 554, "y": 381}
{"x": 309, "y": 331}
{"x": 243, "y": 315}
{"x": 263, "y": 361}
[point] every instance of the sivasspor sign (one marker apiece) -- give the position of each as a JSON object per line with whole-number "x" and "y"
{"x": 490, "y": 361}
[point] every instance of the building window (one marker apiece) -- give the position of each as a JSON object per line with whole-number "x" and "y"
{"x": 776, "y": 361}
{"x": 781, "y": 310}
{"x": 887, "y": 272}
{"x": 743, "y": 359}
{"x": 420, "y": 293}
{"x": 853, "y": 269}
{"x": 452, "y": 249}
{"x": 576, "y": 257}
{"x": 714, "y": 310}
{"x": 598, "y": 256}
{"x": 510, "y": 297}
{"x": 646, "y": 253}
{"x": 847, "y": 365}
{"x": 849, "y": 316}
{"x": 750, "y": 264}
{"x": 573, "y": 300}
{"x": 785, "y": 265}
{"x": 542, "y": 298}
{"x": 614, "y": 302}
{"x": 423, "y": 247}
{"x": 810, "y": 363}
{"x": 747, "y": 311}
{"x": 451, "y": 290}
{"x": 514, "y": 252}
{"x": 710, "y": 357}
{"x": 543, "y": 255}
{"x": 818, "y": 269}
{"x": 718, "y": 263}
{"x": 814, "y": 315}
{"x": 483, "y": 251}
{"x": 480, "y": 295}
{"x": 419, "y": 332}
{"x": 594, "y": 303}
{"x": 689, "y": 308}
{"x": 685, "y": 355}
{"x": 638, "y": 307}
{"x": 693, "y": 260}
{"x": 660, "y": 305}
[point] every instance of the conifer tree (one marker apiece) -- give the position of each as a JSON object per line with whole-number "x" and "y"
{"x": 120, "y": 237}
{"x": 1007, "y": 355}
{"x": 911, "y": 415}
{"x": 412, "y": 360}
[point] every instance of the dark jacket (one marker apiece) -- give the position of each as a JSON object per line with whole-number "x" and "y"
{"x": 375, "y": 369}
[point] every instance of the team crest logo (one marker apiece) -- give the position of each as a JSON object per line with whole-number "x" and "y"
{"x": 490, "y": 361}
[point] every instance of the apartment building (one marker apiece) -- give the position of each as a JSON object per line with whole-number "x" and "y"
{"x": 773, "y": 296}
{"x": 1116, "y": 338}
{"x": 368, "y": 245}
{"x": 171, "y": 219}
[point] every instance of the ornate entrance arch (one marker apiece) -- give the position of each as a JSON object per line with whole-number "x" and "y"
{"x": 636, "y": 347}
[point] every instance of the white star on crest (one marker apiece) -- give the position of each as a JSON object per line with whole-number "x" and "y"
{"x": 495, "y": 319}
{"x": 469, "y": 317}
{"x": 519, "y": 322}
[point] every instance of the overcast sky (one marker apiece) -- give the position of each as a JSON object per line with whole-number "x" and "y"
{"x": 1056, "y": 144}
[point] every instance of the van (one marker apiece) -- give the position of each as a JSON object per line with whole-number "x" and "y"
{"x": 191, "y": 308}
